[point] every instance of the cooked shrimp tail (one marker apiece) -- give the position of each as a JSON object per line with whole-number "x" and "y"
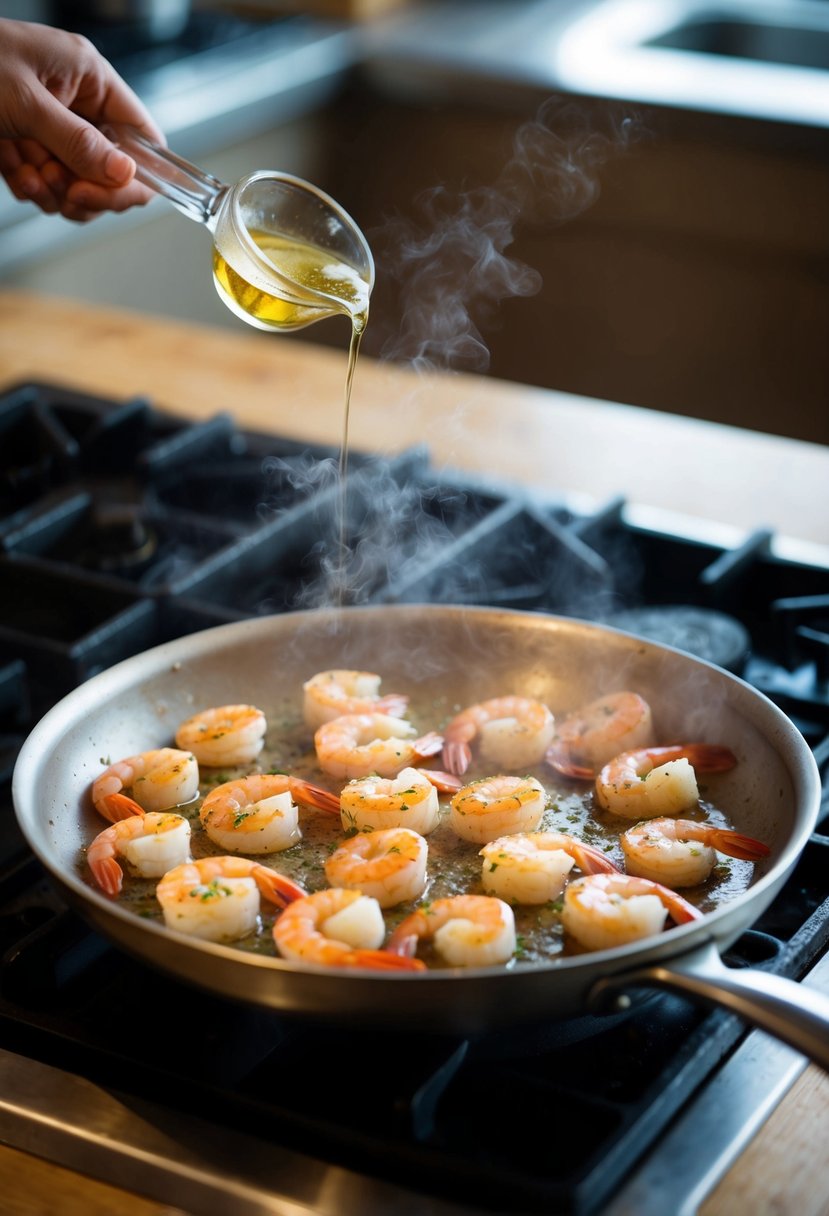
{"x": 115, "y": 807}
{"x": 276, "y": 887}
{"x": 706, "y": 757}
{"x": 428, "y": 745}
{"x": 735, "y": 844}
{"x": 560, "y": 757}
{"x": 444, "y": 783}
{"x": 591, "y": 860}
{"x": 315, "y": 796}
{"x": 457, "y": 756}
{"x": 384, "y": 960}
{"x": 403, "y": 943}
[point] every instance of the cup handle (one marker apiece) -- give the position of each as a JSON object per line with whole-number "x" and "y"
{"x": 196, "y": 194}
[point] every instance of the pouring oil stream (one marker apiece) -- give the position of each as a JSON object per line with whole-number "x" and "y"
{"x": 285, "y": 255}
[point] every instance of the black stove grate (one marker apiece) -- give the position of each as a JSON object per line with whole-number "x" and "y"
{"x": 123, "y": 527}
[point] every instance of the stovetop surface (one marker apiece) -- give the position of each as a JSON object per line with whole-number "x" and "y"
{"x": 142, "y": 527}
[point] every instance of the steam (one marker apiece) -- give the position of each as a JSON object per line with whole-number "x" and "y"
{"x": 451, "y": 261}
{"x": 397, "y": 522}
{"x": 405, "y": 538}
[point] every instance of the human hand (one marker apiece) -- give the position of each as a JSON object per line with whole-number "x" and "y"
{"x": 55, "y": 88}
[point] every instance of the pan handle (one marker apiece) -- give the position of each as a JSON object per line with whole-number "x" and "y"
{"x": 792, "y": 1012}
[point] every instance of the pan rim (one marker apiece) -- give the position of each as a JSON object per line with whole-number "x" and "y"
{"x": 170, "y": 654}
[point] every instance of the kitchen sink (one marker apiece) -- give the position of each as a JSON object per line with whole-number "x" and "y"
{"x": 768, "y": 41}
{"x": 758, "y": 59}
{"x": 765, "y": 59}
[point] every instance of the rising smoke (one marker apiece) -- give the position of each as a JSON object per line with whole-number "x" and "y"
{"x": 453, "y": 267}
{"x": 450, "y": 259}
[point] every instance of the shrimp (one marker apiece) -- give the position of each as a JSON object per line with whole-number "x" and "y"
{"x": 655, "y": 781}
{"x": 159, "y": 780}
{"x": 604, "y": 910}
{"x": 467, "y": 930}
{"x": 333, "y": 694}
{"x": 408, "y": 800}
{"x": 531, "y": 867}
{"x": 337, "y": 928}
{"x": 497, "y": 806}
{"x": 358, "y": 744}
{"x": 681, "y": 853}
{"x": 151, "y": 843}
{"x": 511, "y": 732}
{"x": 217, "y": 898}
{"x": 225, "y": 735}
{"x": 257, "y": 814}
{"x": 389, "y": 866}
{"x": 594, "y": 734}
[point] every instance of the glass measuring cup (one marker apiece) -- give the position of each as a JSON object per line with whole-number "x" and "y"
{"x": 285, "y": 254}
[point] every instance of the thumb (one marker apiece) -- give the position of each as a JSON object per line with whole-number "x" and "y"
{"x": 82, "y": 147}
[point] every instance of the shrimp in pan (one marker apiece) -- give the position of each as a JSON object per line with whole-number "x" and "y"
{"x": 152, "y": 844}
{"x": 682, "y": 853}
{"x": 589, "y": 737}
{"x": 218, "y": 898}
{"x": 467, "y": 930}
{"x": 497, "y": 806}
{"x": 336, "y": 693}
{"x": 509, "y": 732}
{"x": 389, "y": 866}
{"x": 408, "y": 800}
{"x": 605, "y": 910}
{"x": 337, "y": 928}
{"x": 653, "y": 781}
{"x": 159, "y": 780}
{"x": 532, "y": 867}
{"x": 258, "y": 814}
{"x": 358, "y": 744}
{"x": 224, "y": 735}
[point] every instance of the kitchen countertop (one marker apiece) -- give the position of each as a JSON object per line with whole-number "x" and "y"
{"x": 723, "y": 482}
{"x": 557, "y": 445}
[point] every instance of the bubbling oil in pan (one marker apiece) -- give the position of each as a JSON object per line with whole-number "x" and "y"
{"x": 454, "y": 865}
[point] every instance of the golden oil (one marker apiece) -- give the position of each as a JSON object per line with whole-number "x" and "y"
{"x": 343, "y": 291}
{"x": 310, "y": 268}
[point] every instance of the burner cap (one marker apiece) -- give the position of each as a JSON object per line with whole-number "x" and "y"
{"x": 707, "y": 634}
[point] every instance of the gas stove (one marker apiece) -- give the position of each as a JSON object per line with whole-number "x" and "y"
{"x": 123, "y": 526}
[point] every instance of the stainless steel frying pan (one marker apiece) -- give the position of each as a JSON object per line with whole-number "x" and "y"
{"x": 773, "y": 793}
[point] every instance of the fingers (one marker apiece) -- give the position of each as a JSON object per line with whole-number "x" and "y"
{"x": 44, "y": 181}
{"x": 32, "y": 174}
{"x": 81, "y": 147}
{"x": 89, "y": 199}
